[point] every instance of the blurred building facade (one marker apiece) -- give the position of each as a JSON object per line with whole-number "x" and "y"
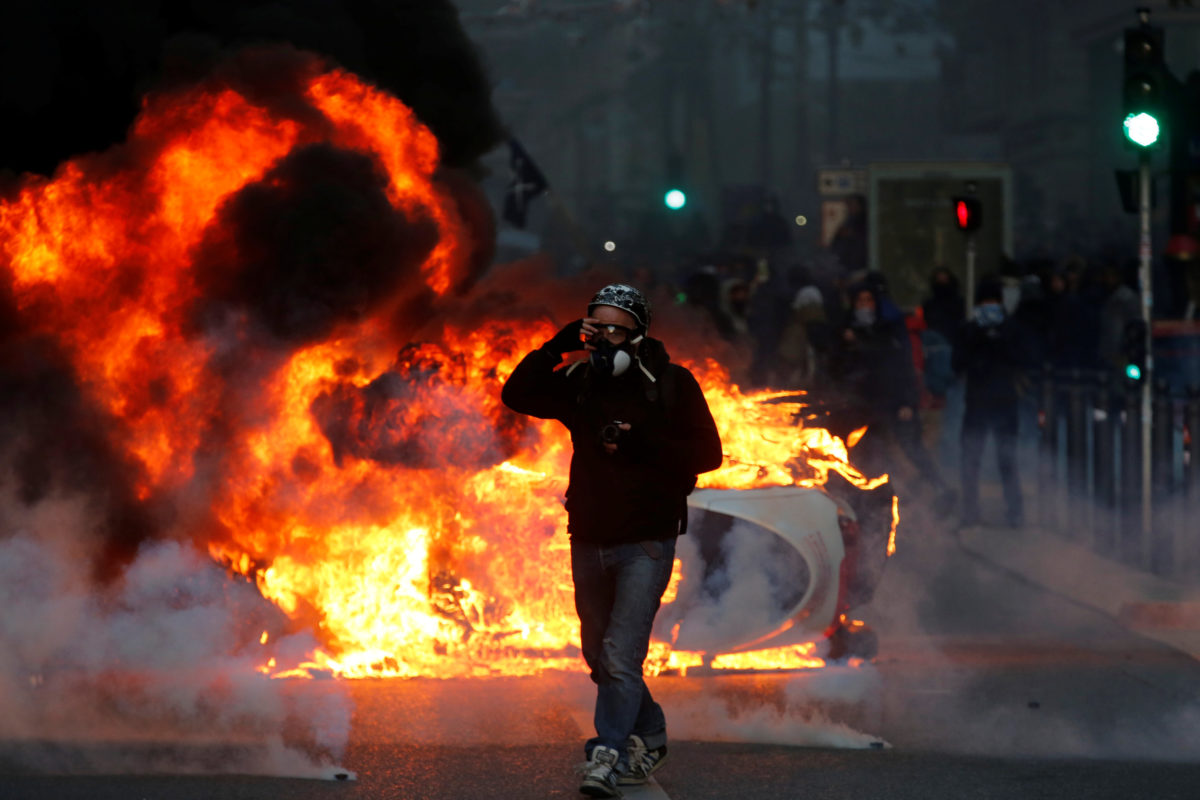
{"x": 762, "y": 94}
{"x": 1042, "y": 80}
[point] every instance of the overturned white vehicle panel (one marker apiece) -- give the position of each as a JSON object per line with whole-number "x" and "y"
{"x": 767, "y": 568}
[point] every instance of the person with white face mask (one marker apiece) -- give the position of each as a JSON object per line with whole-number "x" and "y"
{"x": 641, "y": 432}
{"x": 874, "y": 368}
{"x": 991, "y": 352}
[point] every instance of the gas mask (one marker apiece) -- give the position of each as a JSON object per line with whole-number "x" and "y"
{"x": 612, "y": 360}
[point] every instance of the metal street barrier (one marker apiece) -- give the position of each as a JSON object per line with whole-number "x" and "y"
{"x": 1089, "y": 469}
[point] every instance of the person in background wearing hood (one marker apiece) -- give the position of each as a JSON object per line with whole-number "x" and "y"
{"x": 1074, "y": 319}
{"x": 804, "y": 339}
{"x": 989, "y": 349}
{"x": 874, "y": 364}
{"x": 641, "y": 432}
{"x": 944, "y": 309}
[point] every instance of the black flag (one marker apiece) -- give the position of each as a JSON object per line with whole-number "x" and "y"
{"x": 527, "y": 182}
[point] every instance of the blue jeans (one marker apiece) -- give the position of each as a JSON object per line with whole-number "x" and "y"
{"x": 617, "y": 593}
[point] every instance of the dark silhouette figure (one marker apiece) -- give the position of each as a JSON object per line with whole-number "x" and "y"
{"x": 874, "y": 366}
{"x": 989, "y": 351}
{"x": 1074, "y": 321}
{"x": 850, "y": 240}
{"x": 1121, "y": 306}
{"x": 944, "y": 309}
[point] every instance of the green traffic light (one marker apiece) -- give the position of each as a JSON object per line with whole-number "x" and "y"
{"x": 1133, "y": 372}
{"x": 1142, "y": 129}
{"x": 675, "y": 199}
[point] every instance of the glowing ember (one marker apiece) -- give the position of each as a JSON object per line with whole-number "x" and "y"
{"x": 373, "y": 488}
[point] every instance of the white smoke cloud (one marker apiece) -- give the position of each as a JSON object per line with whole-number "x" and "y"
{"x": 816, "y": 708}
{"x": 756, "y": 580}
{"x": 168, "y": 655}
{"x": 752, "y": 585}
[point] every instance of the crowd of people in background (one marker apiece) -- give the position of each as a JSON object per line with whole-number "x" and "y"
{"x": 838, "y": 335}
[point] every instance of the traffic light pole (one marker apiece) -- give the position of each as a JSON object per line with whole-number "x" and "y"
{"x": 1144, "y": 280}
{"x": 968, "y": 216}
{"x": 970, "y": 293}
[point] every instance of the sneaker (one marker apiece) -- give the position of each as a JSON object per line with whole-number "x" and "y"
{"x": 600, "y": 773}
{"x": 642, "y": 762}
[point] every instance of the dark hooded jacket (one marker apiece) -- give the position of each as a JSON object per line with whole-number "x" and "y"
{"x": 876, "y": 369}
{"x": 992, "y": 356}
{"x": 943, "y": 309}
{"x": 639, "y": 492}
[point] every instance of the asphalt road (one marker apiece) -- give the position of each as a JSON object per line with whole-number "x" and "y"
{"x": 985, "y": 687}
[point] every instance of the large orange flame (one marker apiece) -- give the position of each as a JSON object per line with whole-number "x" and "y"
{"x": 387, "y": 500}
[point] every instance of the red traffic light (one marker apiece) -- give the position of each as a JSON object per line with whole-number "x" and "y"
{"x": 968, "y": 213}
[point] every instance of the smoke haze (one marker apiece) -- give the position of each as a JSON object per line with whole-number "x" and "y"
{"x": 160, "y": 666}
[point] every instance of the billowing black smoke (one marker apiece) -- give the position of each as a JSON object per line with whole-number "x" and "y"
{"x": 73, "y": 72}
{"x": 314, "y": 243}
{"x": 58, "y": 444}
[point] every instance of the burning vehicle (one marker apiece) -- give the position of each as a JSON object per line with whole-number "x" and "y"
{"x": 267, "y": 306}
{"x": 265, "y": 330}
{"x": 806, "y": 560}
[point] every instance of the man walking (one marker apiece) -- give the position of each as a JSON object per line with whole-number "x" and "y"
{"x": 641, "y": 432}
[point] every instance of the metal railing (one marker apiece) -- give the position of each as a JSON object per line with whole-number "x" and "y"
{"x": 1089, "y": 470}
